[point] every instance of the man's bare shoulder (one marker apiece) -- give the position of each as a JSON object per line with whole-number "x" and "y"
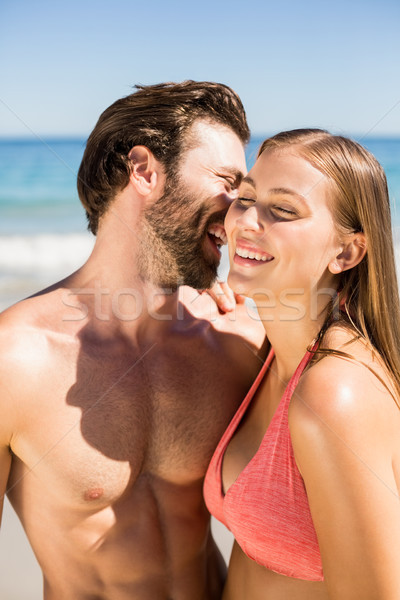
{"x": 37, "y": 311}
{"x": 24, "y": 349}
{"x": 28, "y": 330}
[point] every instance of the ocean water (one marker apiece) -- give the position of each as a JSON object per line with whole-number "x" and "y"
{"x": 43, "y": 235}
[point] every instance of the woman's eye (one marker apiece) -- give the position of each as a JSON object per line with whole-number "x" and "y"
{"x": 245, "y": 201}
{"x": 285, "y": 211}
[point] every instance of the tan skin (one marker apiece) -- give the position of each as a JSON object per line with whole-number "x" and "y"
{"x": 107, "y": 423}
{"x": 344, "y": 423}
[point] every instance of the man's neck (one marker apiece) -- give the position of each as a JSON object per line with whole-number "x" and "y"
{"x": 114, "y": 294}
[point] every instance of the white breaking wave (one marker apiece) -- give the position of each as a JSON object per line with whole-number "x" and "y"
{"x": 44, "y": 252}
{"x": 33, "y": 262}
{"x": 30, "y": 263}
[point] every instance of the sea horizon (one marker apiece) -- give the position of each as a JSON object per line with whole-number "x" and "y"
{"x": 43, "y": 228}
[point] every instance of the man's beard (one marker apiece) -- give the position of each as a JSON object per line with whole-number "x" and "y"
{"x": 172, "y": 238}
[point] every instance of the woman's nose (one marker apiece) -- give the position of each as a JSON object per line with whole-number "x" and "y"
{"x": 249, "y": 220}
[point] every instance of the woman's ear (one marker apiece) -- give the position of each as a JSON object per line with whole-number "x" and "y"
{"x": 145, "y": 170}
{"x": 351, "y": 254}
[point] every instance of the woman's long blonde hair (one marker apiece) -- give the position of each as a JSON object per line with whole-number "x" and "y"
{"x": 369, "y": 291}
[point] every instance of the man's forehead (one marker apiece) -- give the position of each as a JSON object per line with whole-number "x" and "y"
{"x": 213, "y": 148}
{"x": 205, "y": 131}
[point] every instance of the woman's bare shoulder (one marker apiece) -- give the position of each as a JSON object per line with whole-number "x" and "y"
{"x": 348, "y": 392}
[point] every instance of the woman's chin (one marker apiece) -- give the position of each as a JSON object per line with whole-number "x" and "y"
{"x": 238, "y": 285}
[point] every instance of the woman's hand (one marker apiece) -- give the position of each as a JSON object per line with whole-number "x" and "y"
{"x": 224, "y": 296}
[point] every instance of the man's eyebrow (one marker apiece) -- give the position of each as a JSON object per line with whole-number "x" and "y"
{"x": 237, "y": 174}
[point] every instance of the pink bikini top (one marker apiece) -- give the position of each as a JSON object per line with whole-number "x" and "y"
{"x": 266, "y": 508}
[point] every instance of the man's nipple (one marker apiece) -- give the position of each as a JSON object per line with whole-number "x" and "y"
{"x": 93, "y": 494}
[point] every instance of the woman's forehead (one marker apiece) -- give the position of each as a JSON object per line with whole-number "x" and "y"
{"x": 283, "y": 168}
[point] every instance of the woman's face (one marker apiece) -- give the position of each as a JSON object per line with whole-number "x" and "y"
{"x": 280, "y": 231}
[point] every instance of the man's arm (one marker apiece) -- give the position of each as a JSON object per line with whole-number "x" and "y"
{"x": 5, "y": 429}
{"x": 5, "y": 464}
{"x": 13, "y": 383}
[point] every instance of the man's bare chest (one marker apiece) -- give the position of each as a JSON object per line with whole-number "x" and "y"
{"x": 98, "y": 424}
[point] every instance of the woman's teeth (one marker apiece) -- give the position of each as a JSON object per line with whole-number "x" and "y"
{"x": 254, "y": 255}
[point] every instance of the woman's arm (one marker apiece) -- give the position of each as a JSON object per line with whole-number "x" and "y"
{"x": 345, "y": 430}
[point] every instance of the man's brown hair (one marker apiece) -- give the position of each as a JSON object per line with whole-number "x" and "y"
{"x": 155, "y": 116}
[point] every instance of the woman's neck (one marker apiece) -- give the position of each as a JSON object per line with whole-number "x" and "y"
{"x": 290, "y": 339}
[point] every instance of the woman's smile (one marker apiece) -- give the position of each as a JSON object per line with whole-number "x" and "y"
{"x": 250, "y": 255}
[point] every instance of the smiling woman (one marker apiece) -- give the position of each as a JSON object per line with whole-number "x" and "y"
{"x": 282, "y": 214}
{"x": 307, "y": 475}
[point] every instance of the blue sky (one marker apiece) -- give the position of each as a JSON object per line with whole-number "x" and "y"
{"x": 294, "y": 63}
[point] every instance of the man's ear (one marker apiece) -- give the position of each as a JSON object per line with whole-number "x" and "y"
{"x": 352, "y": 252}
{"x": 145, "y": 170}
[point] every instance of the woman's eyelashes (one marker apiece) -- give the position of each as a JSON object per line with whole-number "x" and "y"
{"x": 285, "y": 211}
{"x": 277, "y": 210}
{"x": 245, "y": 201}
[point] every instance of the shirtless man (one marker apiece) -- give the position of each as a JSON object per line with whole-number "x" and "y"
{"x": 116, "y": 385}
